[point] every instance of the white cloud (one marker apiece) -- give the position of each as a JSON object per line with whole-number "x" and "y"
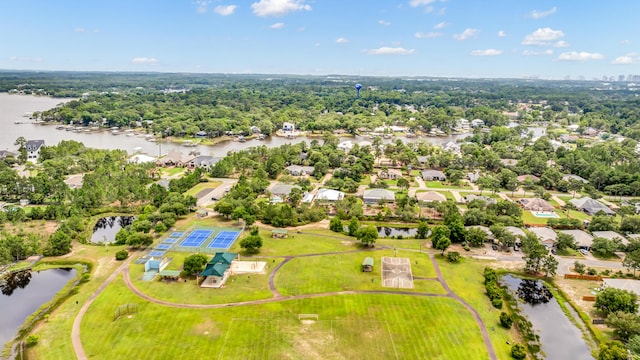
{"x": 487, "y": 52}
{"x": 625, "y": 42}
{"x": 390, "y": 51}
{"x": 145, "y": 60}
{"x": 502, "y": 33}
{"x": 579, "y": 56}
{"x": 561, "y": 43}
{"x": 535, "y": 14}
{"x": 278, "y": 7}
{"x": 466, "y": 34}
{"x": 278, "y": 25}
{"x": 26, "y": 59}
{"x": 416, "y": 3}
{"x": 202, "y": 6}
{"x": 429, "y": 35}
{"x": 384, "y": 23}
{"x": 342, "y": 40}
{"x": 537, "y": 53}
{"x": 631, "y": 58}
{"x": 543, "y": 37}
{"x": 439, "y": 26}
{"x": 225, "y": 10}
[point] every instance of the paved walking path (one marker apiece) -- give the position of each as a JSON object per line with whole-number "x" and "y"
{"x": 75, "y": 330}
{"x": 277, "y": 297}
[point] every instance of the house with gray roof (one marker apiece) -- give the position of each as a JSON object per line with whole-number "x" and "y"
{"x": 546, "y": 235}
{"x": 375, "y": 196}
{"x": 204, "y": 161}
{"x": 297, "y": 170}
{"x": 515, "y": 231}
{"x": 590, "y": 206}
{"x": 329, "y": 195}
{"x": 610, "y": 235}
{"x": 570, "y": 177}
{"x": 282, "y": 190}
{"x": 583, "y": 240}
{"x": 535, "y": 204}
{"x": 430, "y": 175}
{"x": 471, "y": 197}
{"x": 33, "y": 149}
{"x": 430, "y": 196}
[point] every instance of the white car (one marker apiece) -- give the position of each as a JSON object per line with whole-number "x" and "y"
{"x": 584, "y": 252}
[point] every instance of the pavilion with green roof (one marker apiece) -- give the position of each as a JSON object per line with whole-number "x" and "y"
{"x": 217, "y": 270}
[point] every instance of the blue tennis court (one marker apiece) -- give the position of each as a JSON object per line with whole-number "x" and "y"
{"x": 163, "y": 247}
{"x": 156, "y": 253}
{"x": 196, "y": 238}
{"x": 170, "y": 241}
{"x": 176, "y": 234}
{"x": 224, "y": 239}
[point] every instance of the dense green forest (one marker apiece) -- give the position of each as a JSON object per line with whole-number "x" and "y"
{"x": 183, "y": 104}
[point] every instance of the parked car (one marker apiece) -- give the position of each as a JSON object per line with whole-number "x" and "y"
{"x": 494, "y": 247}
{"x": 584, "y": 252}
{"x": 516, "y": 248}
{"x": 554, "y": 251}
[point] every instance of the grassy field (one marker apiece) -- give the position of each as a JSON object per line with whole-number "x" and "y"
{"x": 172, "y": 171}
{"x": 441, "y": 185}
{"x": 466, "y": 280}
{"x": 529, "y": 218}
{"x": 201, "y": 186}
{"x": 381, "y": 326}
{"x": 342, "y": 272}
{"x": 303, "y": 243}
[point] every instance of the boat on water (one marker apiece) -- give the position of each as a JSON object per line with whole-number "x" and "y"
{"x": 189, "y": 143}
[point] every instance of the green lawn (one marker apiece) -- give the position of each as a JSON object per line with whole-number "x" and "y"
{"x": 341, "y": 272}
{"x": 529, "y": 218}
{"x": 382, "y": 326}
{"x": 441, "y": 185}
{"x": 172, "y": 171}
{"x": 302, "y": 243}
{"x": 201, "y": 186}
{"x": 467, "y": 281}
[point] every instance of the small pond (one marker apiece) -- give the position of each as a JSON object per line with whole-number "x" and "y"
{"x": 107, "y": 227}
{"x": 560, "y": 339}
{"x": 24, "y": 292}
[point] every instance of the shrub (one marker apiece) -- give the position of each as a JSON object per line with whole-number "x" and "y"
{"x": 121, "y": 255}
{"x": 518, "y": 352}
{"x": 497, "y": 303}
{"x": 592, "y": 271}
{"x": 32, "y": 340}
{"x": 506, "y": 320}
{"x": 453, "y": 256}
{"x": 579, "y": 267}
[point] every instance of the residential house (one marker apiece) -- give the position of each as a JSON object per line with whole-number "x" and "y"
{"x": 430, "y": 196}
{"x": 430, "y": 175}
{"x": 535, "y": 204}
{"x": 423, "y": 160}
{"x": 141, "y": 159}
{"x": 282, "y": 190}
{"x": 622, "y": 284}
{"x": 33, "y": 149}
{"x": 297, "y": 170}
{"x": 175, "y": 158}
{"x": 523, "y": 178}
{"x": 462, "y": 124}
{"x": 288, "y": 127}
{"x": 515, "y": 231}
{"x": 473, "y": 176}
{"x": 583, "y": 240}
{"x": 486, "y": 230}
{"x": 546, "y": 235}
{"x": 610, "y": 235}
{"x": 452, "y": 147}
{"x": 375, "y": 196}
{"x": 487, "y": 200}
{"x": 204, "y": 161}
{"x": 217, "y": 270}
{"x": 570, "y": 177}
{"x": 391, "y": 174}
{"x": 329, "y": 195}
{"x": 307, "y": 198}
{"x": 7, "y": 154}
{"x": 477, "y": 123}
{"x": 590, "y": 206}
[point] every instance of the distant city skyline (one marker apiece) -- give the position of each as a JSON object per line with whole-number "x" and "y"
{"x": 434, "y": 38}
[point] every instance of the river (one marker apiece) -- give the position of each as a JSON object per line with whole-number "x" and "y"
{"x": 13, "y": 108}
{"x": 25, "y": 292}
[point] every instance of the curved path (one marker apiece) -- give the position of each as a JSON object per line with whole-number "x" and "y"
{"x": 75, "y": 329}
{"x": 277, "y": 297}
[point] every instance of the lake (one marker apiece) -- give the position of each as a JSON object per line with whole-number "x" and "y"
{"x": 560, "y": 339}
{"x": 24, "y": 292}
{"x": 107, "y": 227}
{"x": 15, "y": 106}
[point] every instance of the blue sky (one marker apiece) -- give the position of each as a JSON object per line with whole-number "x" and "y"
{"x": 462, "y": 38}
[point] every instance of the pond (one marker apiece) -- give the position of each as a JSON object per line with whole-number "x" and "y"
{"x": 387, "y": 231}
{"x": 560, "y": 339}
{"x": 107, "y": 227}
{"x": 24, "y": 292}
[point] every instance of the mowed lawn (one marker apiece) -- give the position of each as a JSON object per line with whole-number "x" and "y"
{"x": 342, "y": 272}
{"x": 202, "y": 186}
{"x": 466, "y": 280}
{"x": 380, "y": 326}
